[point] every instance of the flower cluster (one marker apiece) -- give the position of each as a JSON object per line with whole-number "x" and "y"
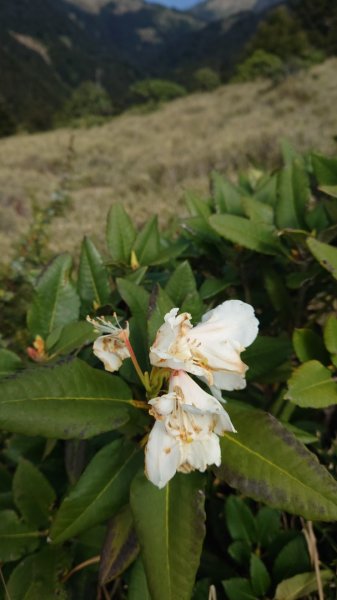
{"x": 188, "y": 420}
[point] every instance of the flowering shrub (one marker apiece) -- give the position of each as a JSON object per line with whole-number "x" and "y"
{"x": 164, "y": 411}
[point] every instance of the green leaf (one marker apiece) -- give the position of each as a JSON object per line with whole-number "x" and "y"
{"x": 257, "y": 211}
{"x": 227, "y": 198}
{"x": 120, "y": 547}
{"x": 308, "y": 345}
{"x": 16, "y": 538}
{"x": 9, "y": 363}
{"x": 260, "y": 578}
{"x": 330, "y": 190}
{"x": 55, "y": 301}
{"x": 65, "y": 402}
{"x": 136, "y": 298}
{"x": 211, "y": 287}
{"x": 238, "y": 588}
{"x": 311, "y": 385}
{"x": 100, "y": 492}
{"x": 293, "y": 558}
{"x": 181, "y": 283}
{"x": 170, "y": 529}
{"x": 120, "y": 234}
{"x": 240, "y": 520}
{"x": 33, "y": 494}
{"x": 163, "y": 305}
{"x": 138, "y": 588}
{"x": 294, "y": 194}
{"x": 325, "y": 254}
{"x": 330, "y": 334}
{"x": 93, "y": 283}
{"x": 171, "y": 251}
{"x": 240, "y": 552}
{"x": 38, "y": 576}
{"x": 301, "y": 585}
{"x": 266, "y": 462}
{"x": 265, "y": 355}
{"x": 268, "y": 523}
{"x": 245, "y": 233}
{"x": 147, "y": 244}
{"x": 325, "y": 169}
{"x": 70, "y": 337}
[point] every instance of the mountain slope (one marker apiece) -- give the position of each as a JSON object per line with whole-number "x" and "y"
{"x": 211, "y": 10}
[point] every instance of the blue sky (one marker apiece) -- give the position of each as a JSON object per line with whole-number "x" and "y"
{"x": 182, "y": 4}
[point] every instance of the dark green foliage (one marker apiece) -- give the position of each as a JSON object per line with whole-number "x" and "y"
{"x": 260, "y": 64}
{"x": 206, "y": 79}
{"x": 156, "y": 90}
{"x": 88, "y": 100}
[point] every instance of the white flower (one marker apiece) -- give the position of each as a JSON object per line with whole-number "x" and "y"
{"x": 111, "y": 349}
{"x": 185, "y": 435}
{"x": 212, "y": 348}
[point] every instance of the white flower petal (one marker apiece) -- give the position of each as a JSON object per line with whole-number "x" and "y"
{"x": 170, "y": 348}
{"x": 162, "y": 455}
{"x": 201, "y": 453}
{"x": 237, "y": 319}
{"x": 111, "y": 351}
{"x": 224, "y": 380}
{"x": 223, "y": 424}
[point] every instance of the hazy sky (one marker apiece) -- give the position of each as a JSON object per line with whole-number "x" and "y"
{"x": 175, "y": 3}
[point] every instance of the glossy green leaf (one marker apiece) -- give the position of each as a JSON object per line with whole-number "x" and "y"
{"x": 93, "y": 283}
{"x": 311, "y": 385}
{"x": 33, "y": 494}
{"x": 240, "y": 520}
{"x": 301, "y": 586}
{"x": 169, "y": 252}
{"x": 227, "y": 197}
{"x": 213, "y": 286}
{"x": 69, "y": 338}
{"x": 100, "y": 492}
{"x": 240, "y": 552}
{"x": 238, "y": 588}
{"x": 55, "y": 301}
{"x": 38, "y": 577}
{"x": 260, "y": 578}
{"x": 293, "y": 558}
{"x": 257, "y": 211}
{"x": 330, "y": 334}
{"x": 308, "y": 345}
{"x": 325, "y": 169}
{"x": 266, "y": 462}
{"x": 136, "y": 298}
{"x": 268, "y": 524}
{"x": 265, "y": 354}
{"x": 147, "y": 243}
{"x": 245, "y": 233}
{"x": 325, "y": 254}
{"x": 16, "y": 538}
{"x": 138, "y": 588}
{"x": 294, "y": 194}
{"x": 9, "y": 363}
{"x": 181, "y": 283}
{"x": 120, "y": 547}
{"x": 170, "y": 528}
{"x": 120, "y": 234}
{"x": 68, "y": 401}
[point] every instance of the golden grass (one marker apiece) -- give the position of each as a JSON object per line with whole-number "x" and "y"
{"x": 147, "y": 161}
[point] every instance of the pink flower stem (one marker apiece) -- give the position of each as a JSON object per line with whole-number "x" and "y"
{"x": 142, "y": 376}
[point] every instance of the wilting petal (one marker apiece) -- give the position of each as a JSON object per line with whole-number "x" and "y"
{"x": 192, "y": 395}
{"x": 162, "y": 455}
{"x": 111, "y": 351}
{"x": 164, "y": 405}
{"x": 201, "y": 453}
{"x": 171, "y": 348}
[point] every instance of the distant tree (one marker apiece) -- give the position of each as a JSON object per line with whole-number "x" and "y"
{"x": 319, "y": 19}
{"x": 89, "y": 99}
{"x": 260, "y": 64}
{"x": 206, "y": 79}
{"x": 281, "y": 34}
{"x": 156, "y": 90}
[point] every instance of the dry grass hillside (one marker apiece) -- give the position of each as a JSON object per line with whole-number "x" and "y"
{"x": 147, "y": 161}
